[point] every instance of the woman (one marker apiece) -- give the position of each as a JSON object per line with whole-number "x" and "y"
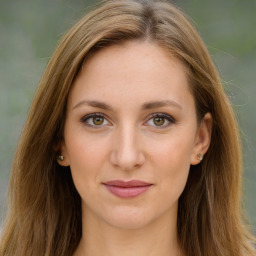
{"x": 130, "y": 146}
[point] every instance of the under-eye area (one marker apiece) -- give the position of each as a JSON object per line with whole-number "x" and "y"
{"x": 116, "y": 160}
{"x": 100, "y": 120}
{"x": 95, "y": 120}
{"x": 160, "y": 120}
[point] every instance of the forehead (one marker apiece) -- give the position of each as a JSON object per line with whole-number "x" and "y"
{"x": 132, "y": 72}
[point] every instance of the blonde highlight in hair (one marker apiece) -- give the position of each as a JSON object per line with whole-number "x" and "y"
{"x": 44, "y": 215}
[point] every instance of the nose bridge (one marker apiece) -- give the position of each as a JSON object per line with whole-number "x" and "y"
{"x": 127, "y": 151}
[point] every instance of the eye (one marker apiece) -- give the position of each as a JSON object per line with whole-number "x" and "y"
{"x": 95, "y": 120}
{"x": 160, "y": 120}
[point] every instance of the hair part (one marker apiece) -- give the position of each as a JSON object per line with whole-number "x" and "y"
{"x": 45, "y": 209}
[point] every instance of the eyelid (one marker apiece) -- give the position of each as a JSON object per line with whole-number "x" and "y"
{"x": 167, "y": 117}
{"x": 96, "y": 114}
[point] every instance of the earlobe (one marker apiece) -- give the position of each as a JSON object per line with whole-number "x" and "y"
{"x": 203, "y": 140}
{"x": 62, "y": 157}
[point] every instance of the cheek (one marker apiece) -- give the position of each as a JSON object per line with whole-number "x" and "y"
{"x": 173, "y": 151}
{"x": 172, "y": 163}
{"x": 86, "y": 157}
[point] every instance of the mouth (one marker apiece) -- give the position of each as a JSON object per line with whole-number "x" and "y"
{"x": 127, "y": 189}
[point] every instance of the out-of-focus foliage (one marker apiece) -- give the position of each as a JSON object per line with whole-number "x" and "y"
{"x": 30, "y": 30}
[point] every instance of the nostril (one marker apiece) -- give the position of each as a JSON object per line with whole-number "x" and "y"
{"x": 126, "y": 148}
{"x": 127, "y": 160}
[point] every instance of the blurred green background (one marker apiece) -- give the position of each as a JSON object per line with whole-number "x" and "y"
{"x": 30, "y": 30}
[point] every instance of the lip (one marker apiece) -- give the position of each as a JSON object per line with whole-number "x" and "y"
{"x": 127, "y": 189}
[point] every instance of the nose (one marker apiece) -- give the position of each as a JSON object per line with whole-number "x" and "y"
{"x": 127, "y": 153}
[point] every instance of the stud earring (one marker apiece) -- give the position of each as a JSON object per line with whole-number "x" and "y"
{"x": 199, "y": 157}
{"x": 61, "y": 158}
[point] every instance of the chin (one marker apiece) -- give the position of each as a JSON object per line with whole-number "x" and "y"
{"x": 128, "y": 218}
{"x": 128, "y": 223}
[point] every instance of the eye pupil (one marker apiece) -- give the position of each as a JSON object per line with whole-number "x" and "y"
{"x": 98, "y": 120}
{"x": 159, "y": 121}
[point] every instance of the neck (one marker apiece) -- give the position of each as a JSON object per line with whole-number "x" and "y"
{"x": 158, "y": 238}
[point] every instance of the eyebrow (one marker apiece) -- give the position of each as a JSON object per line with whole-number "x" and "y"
{"x": 145, "y": 106}
{"x": 93, "y": 103}
{"x": 158, "y": 104}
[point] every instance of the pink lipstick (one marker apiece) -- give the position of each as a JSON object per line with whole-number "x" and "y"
{"x": 127, "y": 189}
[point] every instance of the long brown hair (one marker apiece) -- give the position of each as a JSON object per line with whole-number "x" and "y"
{"x": 44, "y": 216}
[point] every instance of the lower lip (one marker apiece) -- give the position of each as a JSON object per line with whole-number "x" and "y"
{"x": 129, "y": 192}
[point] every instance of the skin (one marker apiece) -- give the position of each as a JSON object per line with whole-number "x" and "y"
{"x": 126, "y": 142}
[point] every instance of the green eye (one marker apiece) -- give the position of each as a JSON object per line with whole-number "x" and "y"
{"x": 98, "y": 120}
{"x": 158, "y": 121}
{"x": 95, "y": 120}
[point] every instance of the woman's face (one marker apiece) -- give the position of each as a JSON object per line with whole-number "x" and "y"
{"x": 131, "y": 135}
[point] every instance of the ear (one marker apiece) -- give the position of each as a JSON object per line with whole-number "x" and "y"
{"x": 202, "y": 140}
{"x": 62, "y": 149}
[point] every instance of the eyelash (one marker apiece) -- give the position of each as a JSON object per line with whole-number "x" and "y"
{"x": 85, "y": 119}
{"x": 166, "y": 117}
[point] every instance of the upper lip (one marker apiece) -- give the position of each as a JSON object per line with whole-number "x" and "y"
{"x": 127, "y": 184}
